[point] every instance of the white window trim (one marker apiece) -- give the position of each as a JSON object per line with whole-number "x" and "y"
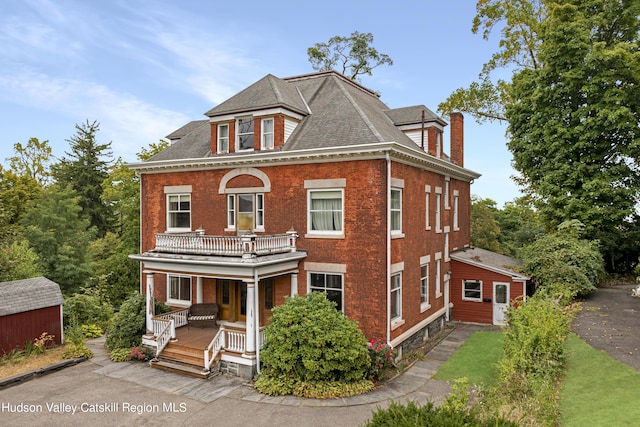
{"x": 263, "y": 133}
{"x": 424, "y": 305}
{"x": 456, "y": 210}
{"x": 237, "y": 136}
{"x": 220, "y": 150}
{"x": 332, "y": 273}
{"x": 397, "y": 233}
{"x": 447, "y": 184}
{"x": 427, "y": 190}
{"x": 396, "y": 269}
{"x": 464, "y": 298}
{"x": 336, "y": 234}
{"x": 438, "y": 258}
{"x": 438, "y": 210}
{"x": 179, "y": 302}
{"x": 446, "y": 244}
{"x": 178, "y": 229}
{"x": 232, "y": 225}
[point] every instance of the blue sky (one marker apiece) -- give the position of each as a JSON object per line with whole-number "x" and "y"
{"x": 144, "y": 68}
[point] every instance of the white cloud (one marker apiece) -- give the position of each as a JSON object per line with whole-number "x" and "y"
{"x": 130, "y": 123}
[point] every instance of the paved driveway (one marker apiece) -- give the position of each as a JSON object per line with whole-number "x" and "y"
{"x": 610, "y": 321}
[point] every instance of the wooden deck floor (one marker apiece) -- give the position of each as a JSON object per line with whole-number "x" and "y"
{"x": 195, "y": 337}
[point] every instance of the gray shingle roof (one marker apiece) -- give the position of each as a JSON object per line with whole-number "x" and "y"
{"x": 336, "y": 112}
{"x": 29, "y": 294}
{"x": 490, "y": 260}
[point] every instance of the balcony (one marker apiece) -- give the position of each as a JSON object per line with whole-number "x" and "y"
{"x": 245, "y": 246}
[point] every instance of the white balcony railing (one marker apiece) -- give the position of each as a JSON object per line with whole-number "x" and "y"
{"x": 245, "y": 246}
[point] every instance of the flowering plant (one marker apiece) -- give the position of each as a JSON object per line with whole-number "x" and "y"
{"x": 139, "y": 353}
{"x": 382, "y": 358}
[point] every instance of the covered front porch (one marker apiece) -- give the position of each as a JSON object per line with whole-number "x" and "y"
{"x": 243, "y": 284}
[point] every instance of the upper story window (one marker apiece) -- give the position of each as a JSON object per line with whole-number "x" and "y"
{"x": 456, "y": 224}
{"x": 179, "y": 212}
{"x": 325, "y": 211}
{"x": 223, "y": 138}
{"x": 438, "y": 144}
{"x": 427, "y": 190}
{"x": 438, "y": 209}
{"x": 245, "y": 134}
{"x": 396, "y": 210}
{"x": 446, "y": 193}
{"x": 245, "y": 212}
{"x": 267, "y": 134}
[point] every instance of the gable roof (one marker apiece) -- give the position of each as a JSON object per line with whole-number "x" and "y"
{"x": 19, "y": 296}
{"x": 413, "y": 116}
{"x": 492, "y": 261}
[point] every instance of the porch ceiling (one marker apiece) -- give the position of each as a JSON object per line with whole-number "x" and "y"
{"x": 221, "y": 267}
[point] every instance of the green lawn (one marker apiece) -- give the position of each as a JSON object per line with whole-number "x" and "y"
{"x": 596, "y": 391}
{"x": 476, "y": 359}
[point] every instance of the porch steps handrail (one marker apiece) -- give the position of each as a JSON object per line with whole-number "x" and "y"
{"x": 164, "y": 335}
{"x": 247, "y": 245}
{"x": 214, "y": 348}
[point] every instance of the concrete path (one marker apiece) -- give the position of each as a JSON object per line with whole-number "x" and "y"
{"x": 101, "y": 392}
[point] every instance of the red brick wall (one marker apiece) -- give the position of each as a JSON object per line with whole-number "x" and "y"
{"x": 362, "y": 250}
{"x": 472, "y": 311}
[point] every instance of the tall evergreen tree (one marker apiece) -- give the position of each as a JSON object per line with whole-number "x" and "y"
{"x": 84, "y": 169}
{"x": 574, "y": 123}
{"x": 60, "y": 235}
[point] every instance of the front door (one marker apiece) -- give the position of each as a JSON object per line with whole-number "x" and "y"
{"x": 232, "y": 300}
{"x": 500, "y": 302}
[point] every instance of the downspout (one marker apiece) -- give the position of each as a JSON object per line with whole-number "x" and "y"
{"x": 140, "y": 228}
{"x": 388, "y": 247}
{"x": 256, "y": 305}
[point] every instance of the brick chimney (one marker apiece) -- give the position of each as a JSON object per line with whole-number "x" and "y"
{"x": 457, "y": 138}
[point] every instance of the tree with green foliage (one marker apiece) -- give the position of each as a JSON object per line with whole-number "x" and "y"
{"x": 519, "y": 22}
{"x": 32, "y": 160}
{"x": 562, "y": 264}
{"x": 519, "y": 224}
{"x": 16, "y": 191}
{"x": 84, "y": 309}
{"x": 18, "y": 261}
{"x": 573, "y": 122}
{"x": 313, "y": 350}
{"x": 60, "y": 235}
{"x": 84, "y": 169}
{"x": 129, "y": 324}
{"x": 484, "y": 227}
{"x": 352, "y": 56}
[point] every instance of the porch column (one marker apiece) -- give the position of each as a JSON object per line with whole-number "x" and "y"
{"x": 150, "y": 300}
{"x": 294, "y": 284}
{"x": 251, "y": 319}
{"x": 199, "y": 291}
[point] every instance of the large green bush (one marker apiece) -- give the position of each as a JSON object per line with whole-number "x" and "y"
{"x": 83, "y": 309}
{"x": 313, "y": 350}
{"x": 534, "y": 341}
{"x": 128, "y": 326}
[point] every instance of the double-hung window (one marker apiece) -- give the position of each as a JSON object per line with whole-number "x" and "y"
{"x": 223, "y": 138}
{"x": 178, "y": 212}
{"x": 456, "y": 224}
{"x": 267, "y": 134}
{"x": 427, "y": 190}
{"x": 396, "y": 211}
{"x": 472, "y": 290}
{"x": 438, "y": 208}
{"x": 396, "y": 297}
{"x": 245, "y": 134}
{"x": 330, "y": 284}
{"x": 326, "y": 211}
{"x": 424, "y": 285}
{"x": 245, "y": 212}
{"x": 179, "y": 289}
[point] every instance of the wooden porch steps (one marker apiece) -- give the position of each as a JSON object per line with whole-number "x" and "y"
{"x": 183, "y": 360}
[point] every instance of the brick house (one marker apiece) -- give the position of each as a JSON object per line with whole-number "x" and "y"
{"x": 308, "y": 183}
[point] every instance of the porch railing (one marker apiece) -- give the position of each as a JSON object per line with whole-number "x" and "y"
{"x": 179, "y": 318}
{"x": 214, "y": 348}
{"x": 164, "y": 335}
{"x": 245, "y": 246}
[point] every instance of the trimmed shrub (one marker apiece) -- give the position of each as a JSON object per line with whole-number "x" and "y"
{"x": 310, "y": 347}
{"x": 128, "y": 326}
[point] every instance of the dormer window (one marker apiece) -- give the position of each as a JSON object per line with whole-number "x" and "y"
{"x": 245, "y": 134}
{"x": 267, "y": 134}
{"x": 223, "y": 138}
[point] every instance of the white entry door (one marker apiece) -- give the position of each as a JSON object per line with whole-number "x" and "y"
{"x": 500, "y": 302}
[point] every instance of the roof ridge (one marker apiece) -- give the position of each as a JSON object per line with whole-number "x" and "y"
{"x": 361, "y": 113}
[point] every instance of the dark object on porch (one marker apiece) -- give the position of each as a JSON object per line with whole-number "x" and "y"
{"x": 203, "y": 315}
